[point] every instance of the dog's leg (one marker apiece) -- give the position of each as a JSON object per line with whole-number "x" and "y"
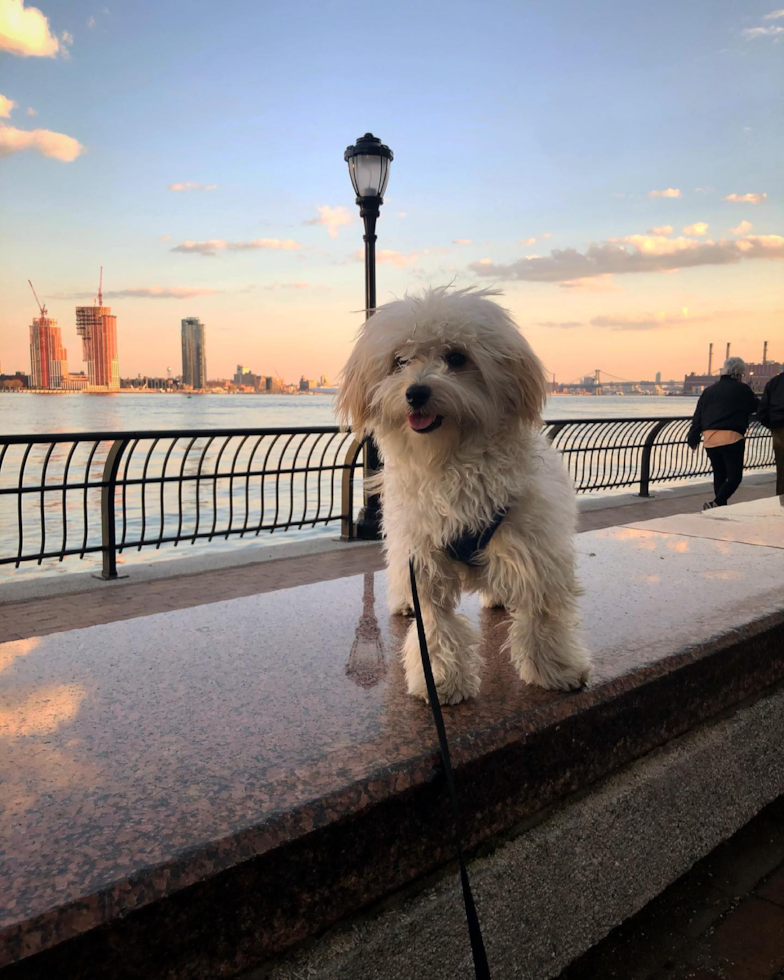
{"x": 541, "y": 596}
{"x": 452, "y": 641}
{"x": 398, "y": 585}
{"x": 545, "y": 646}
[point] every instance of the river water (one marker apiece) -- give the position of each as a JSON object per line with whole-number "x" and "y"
{"x": 32, "y": 413}
{"x": 194, "y": 502}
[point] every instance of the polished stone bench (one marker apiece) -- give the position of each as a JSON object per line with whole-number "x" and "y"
{"x": 192, "y": 793}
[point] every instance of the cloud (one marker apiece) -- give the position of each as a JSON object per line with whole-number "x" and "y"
{"x": 774, "y": 15}
{"x": 667, "y": 192}
{"x": 149, "y": 292}
{"x": 164, "y": 238}
{"x": 191, "y": 185}
{"x": 746, "y": 198}
{"x": 161, "y": 292}
{"x": 547, "y": 234}
{"x": 743, "y": 228}
{"x": 598, "y": 284}
{"x": 386, "y": 256}
{"x": 461, "y": 241}
{"x": 661, "y": 230}
{"x": 655, "y": 321}
{"x": 402, "y": 214}
{"x": 632, "y": 254}
{"x": 528, "y": 241}
{"x": 214, "y": 245}
{"x": 560, "y": 325}
{"x": 698, "y": 228}
{"x": 91, "y": 22}
{"x": 297, "y": 286}
{"x": 332, "y": 218}
{"x": 49, "y": 144}
{"x": 751, "y": 33}
{"x": 31, "y": 111}
{"x": 25, "y": 31}
{"x": 7, "y": 106}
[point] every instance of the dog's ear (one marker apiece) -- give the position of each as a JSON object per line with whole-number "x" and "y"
{"x": 352, "y": 405}
{"x": 529, "y": 389}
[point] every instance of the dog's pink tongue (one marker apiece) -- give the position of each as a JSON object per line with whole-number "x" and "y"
{"x": 419, "y": 422}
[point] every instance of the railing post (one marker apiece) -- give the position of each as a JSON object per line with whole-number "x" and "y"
{"x": 108, "y": 488}
{"x": 347, "y": 527}
{"x": 645, "y": 466}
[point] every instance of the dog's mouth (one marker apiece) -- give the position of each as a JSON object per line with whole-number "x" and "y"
{"x": 424, "y": 423}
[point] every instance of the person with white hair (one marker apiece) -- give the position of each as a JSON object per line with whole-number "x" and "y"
{"x": 721, "y": 418}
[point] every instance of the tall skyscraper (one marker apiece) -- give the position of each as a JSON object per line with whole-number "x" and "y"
{"x": 48, "y": 357}
{"x": 98, "y": 330}
{"x": 194, "y": 353}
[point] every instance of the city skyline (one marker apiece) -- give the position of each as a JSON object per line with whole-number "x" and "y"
{"x": 612, "y": 170}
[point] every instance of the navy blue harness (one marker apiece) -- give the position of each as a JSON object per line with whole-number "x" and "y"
{"x": 466, "y": 546}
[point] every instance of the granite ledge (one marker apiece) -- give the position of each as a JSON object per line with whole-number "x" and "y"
{"x": 333, "y": 845}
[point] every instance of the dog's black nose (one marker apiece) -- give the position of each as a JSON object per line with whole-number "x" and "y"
{"x": 417, "y": 395}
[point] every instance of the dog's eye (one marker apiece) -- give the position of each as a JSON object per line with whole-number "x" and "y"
{"x": 455, "y": 358}
{"x": 400, "y": 361}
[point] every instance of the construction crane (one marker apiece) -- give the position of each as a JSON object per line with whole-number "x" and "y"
{"x": 41, "y": 306}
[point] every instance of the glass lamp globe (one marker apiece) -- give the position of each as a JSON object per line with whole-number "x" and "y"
{"x": 368, "y": 166}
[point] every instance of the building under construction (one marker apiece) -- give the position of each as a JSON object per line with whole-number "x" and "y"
{"x": 98, "y": 329}
{"x": 48, "y": 357}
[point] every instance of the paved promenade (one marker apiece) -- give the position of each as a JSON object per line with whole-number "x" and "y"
{"x": 107, "y": 602}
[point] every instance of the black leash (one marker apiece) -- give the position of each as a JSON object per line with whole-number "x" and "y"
{"x": 481, "y": 969}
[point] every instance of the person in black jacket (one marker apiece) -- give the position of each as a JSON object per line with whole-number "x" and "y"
{"x": 771, "y": 414}
{"x": 722, "y": 417}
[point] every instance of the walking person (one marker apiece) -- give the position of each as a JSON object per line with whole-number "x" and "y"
{"x": 722, "y": 417}
{"x": 771, "y": 414}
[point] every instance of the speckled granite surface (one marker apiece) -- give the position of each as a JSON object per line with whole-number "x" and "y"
{"x": 210, "y": 785}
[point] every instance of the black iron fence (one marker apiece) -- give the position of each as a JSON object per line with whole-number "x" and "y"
{"x": 110, "y": 492}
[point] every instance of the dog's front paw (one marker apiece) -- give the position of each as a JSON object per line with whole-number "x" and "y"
{"x": 455, "y": 671}
{"x": 556, "y": 675}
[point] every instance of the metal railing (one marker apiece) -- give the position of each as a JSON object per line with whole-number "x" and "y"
{"x": 158, "y": 488}
{"x": 110, "y": 492}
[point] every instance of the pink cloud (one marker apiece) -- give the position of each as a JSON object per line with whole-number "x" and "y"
{"x": 746, "y": 198}
{"x": 332, "y": 218}
{"x": 58, "y": 146}
{"x": 214, "y": 245}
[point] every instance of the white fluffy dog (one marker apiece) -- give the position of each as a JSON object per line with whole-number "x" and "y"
{"x": 453, "y": 395}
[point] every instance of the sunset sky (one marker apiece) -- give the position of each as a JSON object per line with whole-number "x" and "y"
{"x": 615, "y": 168}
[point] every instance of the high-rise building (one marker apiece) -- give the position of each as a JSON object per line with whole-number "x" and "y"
{"x": 48, "y": 357}
{"x": 98, "y": 330}
{"x": 194, "y": 353}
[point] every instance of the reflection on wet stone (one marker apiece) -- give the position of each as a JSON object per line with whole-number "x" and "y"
{"x": 366, "y": 662}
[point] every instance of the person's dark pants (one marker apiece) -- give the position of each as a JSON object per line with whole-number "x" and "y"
{"x": 778, "y": 453}
{"x": 727, "y": 463}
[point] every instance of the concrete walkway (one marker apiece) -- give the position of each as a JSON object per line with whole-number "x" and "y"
{"x": 723, "y": 920}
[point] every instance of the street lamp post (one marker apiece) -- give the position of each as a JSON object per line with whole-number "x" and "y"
{"x": 368, "y": 166}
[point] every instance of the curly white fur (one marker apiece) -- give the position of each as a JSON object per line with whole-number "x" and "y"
{"x": 483, "y": 452}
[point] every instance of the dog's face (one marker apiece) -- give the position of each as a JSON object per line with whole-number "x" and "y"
{"x": 442, "y": 367}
